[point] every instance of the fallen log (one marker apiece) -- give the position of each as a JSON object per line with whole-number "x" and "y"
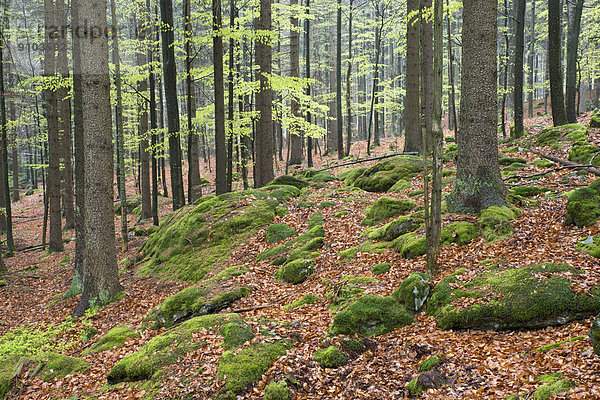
{"x": 368, "y": 159}
{"x": 590, "y": 168}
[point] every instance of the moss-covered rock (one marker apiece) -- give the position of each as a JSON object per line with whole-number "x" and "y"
{"x": 288, "y": 181}
{"x": 278, "y": 232}
{"x": 583, "y": 152}
{"x": 413, "y": 291}
{"x": 528, "y": 191}
{"x": 590, "y": 245}
{"x": 384, "y": 208}
{"x": 241, "y": 368}
{"x": 353, "y": 346}
{"x": 114, "y": 338}
{"x": 194, "y": 240}
{"x": 516, "y": 166}
{"x": 570, "y": 132}
{"x": 429, "y": 363}
{"x": 349, "y": 253}
{"x": 277, "y": 391}
{"x": 549, "y": 390}
{"x": 194, "y": 301}
{"x": 595, "y": 120}
{"x": 235, "y": 334}
{"x": 410, "y": 245}
{"x": 330, "y": 357}
{"x": 594, "y": 334}
{"x": 166, "y": 348}
{"x": 381, "y": 268}
{"x": 396, "y": 228}
{"x": 542, "y": 163}
{"x": 349, "y": 175}
{"x": 296, "y": 271}
{"x": 382, "y": 176}
{"x": 399, "y": 186}
{"x": 304, "y": 300}
{"x": 582, "y": 207}
{"x": 315, "y": 220}
{"x": 529, "y": 297}
{"x": 495, "y": 223}
{"x": 460, "y": 233}
{"x": 425, "y": 380}
{"x": 510, "y": 160}
{"x": 371, "y": 316}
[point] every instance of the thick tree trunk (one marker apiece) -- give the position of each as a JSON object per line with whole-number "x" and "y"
{"x": 309, "y": 141}
{"x": 219, "y": 92}
{"x": 295, "y": 134}
{"x": 572, "y": 46}
{"x": 231, "y": 99}
{"x": 170, "y": 80}
{"x": 348, "y": 82}
{"x": 559, "y": 114}
{"x": 153, "y": 126}
{"x": 426, "y": 70}
{"x": 478, "y": 181}
{"x": 54, "y": 148}
{"x": 338, "y": 83}
{"x": 100, "y": 272}
{"x": 518, "y": 68}
{"x": 531, "y": 93}
{"x": 143, "y": 129}
{"x": 412, "y": 108}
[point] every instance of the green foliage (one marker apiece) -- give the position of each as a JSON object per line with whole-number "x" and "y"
{"x": 330, "y": 357}
{"x": 582, "y": 207}
{"x": 114, "y": 338}
{"x": 279, "y": 232}
{"x": 277, "y": 391}
{"x": 384, "y": 208}
{"x": 371, "y": 316}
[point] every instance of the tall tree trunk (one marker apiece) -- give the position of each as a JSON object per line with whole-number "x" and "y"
{"x": 518, "y": 68}
{"x": 220, "y": 146}
{"x": 231, "y": 116}
{"x": 294, "y": 128}
{"x": 100, "y": 272}
{"x": 572, "y": 46}
{"x": 452, "y": 110}
{"x": 54, "y": 148}
{"x": 120, "y": 134}
{"x": 559, "y": 114}
{"x": 309, "y": 141}
{"x": 142, "y": 60}
{"x": 478, "y": 181}
{"x": 531, "y": 94}
{"x": 153, "y": 124}
{"x": 412, "y": 120}
{"x": 338, "y": 83}
{"x": 264, "y": 126}
{"x": 194, "y": 189}
{"x": 348, "y": 82}
{"x": 170, "y": 81}
{"x": 426, "y": 70}
{"x": 332, "y": 120}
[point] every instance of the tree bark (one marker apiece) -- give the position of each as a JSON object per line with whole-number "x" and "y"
{"x": 338, "y": 83}
{"x": 100, "y": 272}
{"x": 518, "y": 68}
{"x": 294, "y": 131}
{"x": 572, "y": 46}
{"x": 231, "y": 100}
{"x": 309, "y": 141}
{"x": 531, "y": 93}
{"x": 478, "y": 181}
{"x": 219, "y": 91}
{"x": 412, "y": 120}
{"x": 153, "y": 125}
{"x": 142, "y": 60}
{"x": 559, "y": 114}
{"x": 348, "y": 83}
{"x": 264, "y": 126}
{"x": 194, "y": 189}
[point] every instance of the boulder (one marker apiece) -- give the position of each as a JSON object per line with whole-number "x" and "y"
{"x": 582, "y": 207}
{"x": 595, "y": 120}
{"x": 413, "y": 291}
{"x": 495, "y": 222}
{"x": 594, "y": 335}
{"x": 384, "y": 208}
{"x": 382, "y": 176}
{"x": 330, "y": 357}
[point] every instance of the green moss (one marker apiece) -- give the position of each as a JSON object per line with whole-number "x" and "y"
{"x": 278, "y": 232}
{"x": 289, "y": 181}
{"x": 240, "y": 369}
{"x": 228, "y": 273}
{"x": 340, "y": 214}
{"x": 450, "y": 152}
{"x": 304, "y": 300}
{"x": 530, "y": 297}
{"x": 385, "y": 208}
{"x": 315, "y": 232}
{"x": 313, "y": 244}
{"x": 396, "y": 228}
{"x": 326, "y": 204}
{"x": 495, "y": 223}
{"x": 381, "y": 268}
{"x": 570, "y": 132}
{"x": 515, "y": 167}
{"x": 549, "y": 378}
{"x": 114, "y": 338}
{"x": 414, "y": 388}
{"x": 349, "y": 254}
{"x": 275, "y": 251}
{"x": 277, "y": 391}
{"x": 559, "y": 344}
{"x": 382, "y": 176}
{"x": 371, "y": 316}
{"x": 429, "y": 363}
{"x": 542, "y": 163}
{"x": 583, "y": 152}
{"x": 513, "y": 149}
{"x": 399, "y": 186}
{"x": 166, "y": 348}
{"x": 416, "y": 193}
{"x": 528, "y": 191}
{"x": 460, "y": 233}
{"x": 546, "y": 391}
{"x": 342, "y": 294}
{"x": 194, "y": 301}
{"x": 409, "y": 245}
{"x": 315, "y": 220}
{"x": 59, "y": 365}
{"x": 582, "y": 207}
{"x": 510, "y": 160}
{"x": 235, "y": 334}
{"x": 296, "y": 271}
{"x": 595, "y": 120}
{"x": 590, "y": 245}
{"x": 2, "y": 282}
{"x": 353, "y": 345}
{"x": 330, "y": 357}
{"x": 350, "y": 175}
{"x": 413, "y": 291}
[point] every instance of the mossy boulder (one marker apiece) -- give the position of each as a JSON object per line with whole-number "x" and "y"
{"x": 510, "y": 160}
{"x": 382, "y": 176}
{"x": 303, "y": 301}
{"x": 590, "y": 245}
{"x": 425, "y": 380}
{"x": 542, "y": 163}
{"x": 516, "y": 166}
{"x": 460, "y": 233}
{"x": 330, "y": 357}
{"x": 527, "y": 191}
{"x": 194, "y": 301}
{"x": 551, "y": 389}
{"x": 413, "y": 291}
{"x": 594, "y": 335}
{"x": 410, "y": 245}
{"x": 582, "y": 153}
{"x": 530, "y": 297}
{"x": 595, "y": 120}
{"x": 384, "y": 208}
{"x": 371, "y": 316}
{"x": 288, "y": 181}
{"x": 235, "y": 334}
{"x": 381, "y": 268}
{"x": 570, "y": 132}
{"x": 396, "y": 228}
{"x": 315, "y": 220}
{"x": 277, "y": 391}
{"x": 350, "y": 175}
{"x": 197, "y": 238}
{"x": 278, "y": 232}
{"x": 296, "y": 271}
{"x": 241, "y": 368}
{"x": 114, "y": 338}
{"x": 399, "y": 186}
{"x": 166, "y": 348}
{"x": 582, "y": 207}
{"x": 495, "y": 223}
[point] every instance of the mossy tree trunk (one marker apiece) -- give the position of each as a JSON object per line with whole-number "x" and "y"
{"x": 478, "y": 181}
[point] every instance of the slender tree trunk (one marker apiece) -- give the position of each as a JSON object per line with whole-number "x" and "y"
{"x": 54, "y": 148}
{"x": 451, "y": 69}
{"x": 170, "y": 81}
{"x": 220, "y": 149}
{"x": 348, "y": 82}
{"x": 100, "y": 272}
{"x": 338, "y": 83}
{"x": 412, "y": 120}
{"x": 426, "y": 70}
{"x": 153, "y": 126}
{"x": 231, "y": 116}
{"x": 309, "y": 141}
{"x": 294, "y": 132}
{"x": 264, "y": 126}
{"x": 531, "y": 94}
{"x": 142, "y": 60}
{"x": 194, "y": 189}
{"x": 518, "y": 68}
{"x": 572, "y": 46}
{"x": 559, "y": 114}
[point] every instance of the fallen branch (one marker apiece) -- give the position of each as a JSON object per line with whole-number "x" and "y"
{"x": 590, "y": 168}
{"x": 367, "y": 159}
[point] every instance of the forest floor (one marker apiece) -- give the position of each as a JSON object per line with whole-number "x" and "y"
{"x": 476, "y": 364}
